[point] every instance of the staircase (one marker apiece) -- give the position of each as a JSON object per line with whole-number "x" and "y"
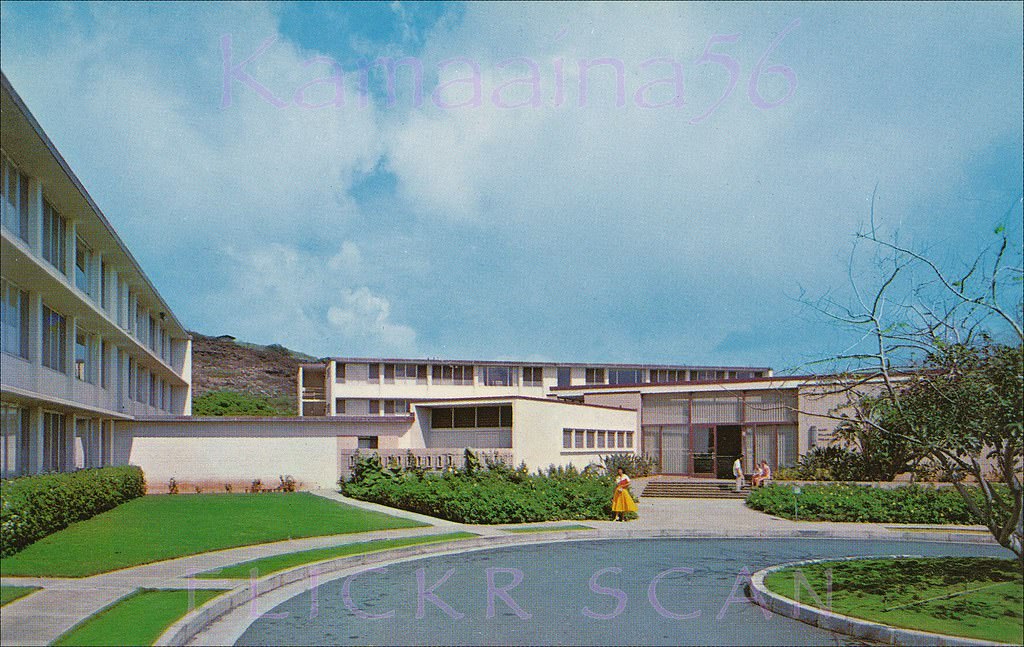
{"x": 694, "y": 489}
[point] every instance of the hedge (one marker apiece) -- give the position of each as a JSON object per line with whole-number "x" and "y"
{"x": 849, "y": 502}
{"x": 486, "y": 496}
{"x": 33, "y": 507}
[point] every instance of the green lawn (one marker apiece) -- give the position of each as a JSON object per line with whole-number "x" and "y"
{"x": 162, "y": 527}
{"x": 549, "y": 528}
{"x": 138, "y": 619}
{"x": 11, "y": 593}
{"x": 974, "y": 597}
{"x": 268, "y": 565}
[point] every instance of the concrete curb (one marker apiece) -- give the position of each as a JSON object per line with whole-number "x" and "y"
{"x": 856, "y": 627}
{"x": 189, "y": 626}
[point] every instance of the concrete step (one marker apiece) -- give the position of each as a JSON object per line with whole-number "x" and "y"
{"x": 686, "y": 489}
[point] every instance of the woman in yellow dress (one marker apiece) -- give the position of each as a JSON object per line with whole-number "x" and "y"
{"x": 621, "y": 501}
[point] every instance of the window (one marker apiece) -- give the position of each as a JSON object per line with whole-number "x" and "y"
{"x": 55, "y": 442}
{"x": 54, "y": 339}
{"x": 662, "y": 376}
{"x": 600, "y": 439}
{"x": 625, "y": 376}
{"x": 367, "y": 442}
{"x": 396, "y": 407}
{"x": 484, "y": 417}
{"x": 389, "y": 372}
{"x": 590, "y": 438}
{"x": 339, "y": 406}
{"x": 453, "y": 374}
{"x": 629, "y": 439}
{"x": 83, "y": 356}
{"x": 498, "y": 376}
{"x": 54, "y": 237}
{"x": 564, "y": 376}
{"x": 152, "y": 390}
{"x": 153, "y": 332}
{"x": 83, "y": 266}
{"x": 339, "y": 373}
{"x": 14, "y": 441}
{"x": 579, "y": 439}
{"x": 566, "y": 438}
{"x": 373, "y": 407}
{"x": 703, "y": 376}
{"x": 373, "y": 372}
{"x": 594, "y": 376}
{"x": 14, "y": 186}
{"x": 533, "y": 376}
{"x": 13, "y": 319}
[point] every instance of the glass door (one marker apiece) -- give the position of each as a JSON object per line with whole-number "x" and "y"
{"x": 702, "y": 442}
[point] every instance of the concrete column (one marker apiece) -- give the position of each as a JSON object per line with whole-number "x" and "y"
{"x": 329, "y": 374}
{"x": 70, "y": 246}
{"x": 35, "y": 328}
{"x": 35, "y": 216}
{"x": 299, "y": 391}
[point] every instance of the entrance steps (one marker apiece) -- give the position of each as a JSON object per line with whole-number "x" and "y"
{"x": 694, "y": 489}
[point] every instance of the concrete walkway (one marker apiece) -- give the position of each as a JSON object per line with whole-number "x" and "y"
{"x": 43, "y": 616}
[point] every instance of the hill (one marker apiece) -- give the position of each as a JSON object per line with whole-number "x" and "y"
{"x": 231, "y": 377}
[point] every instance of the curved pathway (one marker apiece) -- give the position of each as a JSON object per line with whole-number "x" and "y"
{"x": 43, "y": 616}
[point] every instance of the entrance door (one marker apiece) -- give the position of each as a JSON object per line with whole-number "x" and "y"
{"x": 702, "y": 441}
{"x": 729, "y": 445}
{"x": 674, "y": 457}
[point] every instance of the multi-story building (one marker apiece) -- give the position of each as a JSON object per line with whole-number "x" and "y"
{"x": 377, "y": 386}
{"x": 86, "y": 338}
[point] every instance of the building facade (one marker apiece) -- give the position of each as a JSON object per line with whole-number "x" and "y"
{"x": 86, "y": 338}
{"x": 381, "y": 386}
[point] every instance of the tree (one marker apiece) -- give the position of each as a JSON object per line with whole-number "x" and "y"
{"x": 941, "y": 368}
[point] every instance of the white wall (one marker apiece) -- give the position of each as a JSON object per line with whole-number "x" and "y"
{"x": 537, "y": 431}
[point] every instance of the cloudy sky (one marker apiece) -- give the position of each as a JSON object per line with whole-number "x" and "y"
{"x": 523, "y": 205}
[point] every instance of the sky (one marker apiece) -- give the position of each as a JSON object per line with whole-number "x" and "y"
{"x": 279, "y": 184}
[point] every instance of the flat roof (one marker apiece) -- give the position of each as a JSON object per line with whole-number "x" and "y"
{"x": 507, "y": 399}
{"x": 500, "y": 362}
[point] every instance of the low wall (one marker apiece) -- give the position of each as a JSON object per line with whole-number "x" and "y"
{"x": 210, "y": 453}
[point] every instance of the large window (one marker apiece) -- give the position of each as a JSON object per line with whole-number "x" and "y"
{"x": 483, "y": 417}
{"x": 596, "y": 439}
{"x": 625, "y": 376}
{"x": 499, "y": 376}
{"x": 339, "y": 373}
{"x": 373, "y": 372}
{"x": 453, "y": 374}
{"x": 533, "y": 376}
{"x": 396, "y": 407}
{"x": 14, "y": 441}
{"x": 14, "y": 319}
{"x": 55, "y": 442}
{"x": 405, "y": 372}
{"x": 55, "y": 330}
{"x": 83, "y": 266}
{"x": 14, "y": 186}
{"x": 663, "y": 375}
{"x": 564, "y": 376}
{"x": 54, "y": 238}
{"x": 594, "y": 376}
{"x": 84, "y": 364}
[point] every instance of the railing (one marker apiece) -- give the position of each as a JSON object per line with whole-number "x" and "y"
{"x": 313, "y": 393}
{"x": 436, "y": 460}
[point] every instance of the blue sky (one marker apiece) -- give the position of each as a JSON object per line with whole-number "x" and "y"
{"x": 576, "y": 229}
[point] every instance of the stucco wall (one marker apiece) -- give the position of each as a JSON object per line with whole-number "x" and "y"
{"x": 537, "y": 431}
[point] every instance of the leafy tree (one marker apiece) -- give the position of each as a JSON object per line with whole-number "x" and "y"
{"x": 945, "y": 374}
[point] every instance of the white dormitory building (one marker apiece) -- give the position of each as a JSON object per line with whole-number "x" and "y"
{"x": 95, "y": 370}
{"x": 87, "y": 340}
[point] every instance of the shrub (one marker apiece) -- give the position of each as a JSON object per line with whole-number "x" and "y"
{"x": 287, "y": 483}
{"x": 829, "y": 463}
{"x": 491, "y": 495}
{"x": 33, "y": 507}
{"x": 849, "y": 502}
{"x": 634, "y": 465}
{"x": 234, "y": 403}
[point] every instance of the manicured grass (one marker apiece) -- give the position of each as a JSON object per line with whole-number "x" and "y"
{"x": 162, "y": 527}
{"x": 962, "y": 596}
{"x": 12, "y": 593}
{"x": 268, "y": 565}
{"x": 549, "y": 528}
{"x": 138, "y": 619}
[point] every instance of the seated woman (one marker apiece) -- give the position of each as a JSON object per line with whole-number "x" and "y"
{"x": 758, "y": 474}
{"x": 763, "y": 473}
